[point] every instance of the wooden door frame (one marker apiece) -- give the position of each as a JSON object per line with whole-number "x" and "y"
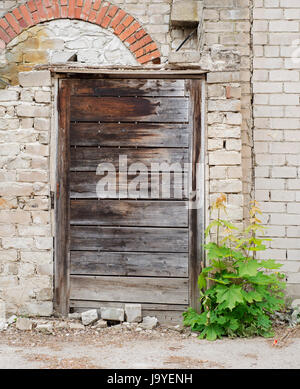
{"x": 196, "y": 87}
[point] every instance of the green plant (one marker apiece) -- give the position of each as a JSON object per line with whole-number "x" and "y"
{"x": 238, "y": 293}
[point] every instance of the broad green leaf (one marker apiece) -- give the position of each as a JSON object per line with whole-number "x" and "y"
{"x": 261, "y": 279}
{"x": 264, "y": 322}
{"x": 231, "y": 275}
{"x": 218, "y": 264}
{"x": 251, "y": 296}
{"x": 248, "y": 268}
{"x": 215, "y": 252}
{"x": 211, "y": 332}
{"x": 237, "y": 255}
{"x": 202, "y": 281}
{"x": 270, "y": 264}
{"x": 231, "y": 296}
{"x": 233, "y": 324}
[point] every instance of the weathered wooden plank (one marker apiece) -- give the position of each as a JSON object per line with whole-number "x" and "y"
{"x": 166, "y": 317}
{"x": 130, "y": 134}
{"x": 126, "y": 109}
{"x": 62, "y": 225}
{"x": 195, "y": 232}
{"x": 88, "y": 158}
{"x": 172, "y": 240}
{"x": 130, "y": 87}
{"x": 83, "y": 185}
{"x": 129, "y": 213}
{"x": 129, "y": 264}
{"x": 130, "y": 289}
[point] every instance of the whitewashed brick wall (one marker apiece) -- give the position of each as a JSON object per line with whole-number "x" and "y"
{"x": 227, "y": 23}
{"x": 26, "y": 258}
{"x": 276, "y": 87}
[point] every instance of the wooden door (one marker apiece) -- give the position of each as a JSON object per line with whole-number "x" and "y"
{"x": 137, "y": 246}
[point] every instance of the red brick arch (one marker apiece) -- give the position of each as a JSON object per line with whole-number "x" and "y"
{"x": 99, "y": 12}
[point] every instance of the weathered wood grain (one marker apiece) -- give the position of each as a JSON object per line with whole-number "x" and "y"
{"x": 126, "y": 109}
{"x": 129, "y": 264}
{"x": 130, "y": 289}
{"x": 83, "y": 185}
{"x": 172, "y": 240}
{"x": 62, "y": 226}
{"x": 130, "y": 134}
{"x": 129, "y": 213}
{"x": 194, "y": 215}
{"x": 121, "y": 87}
{"x": 88, "y": 158}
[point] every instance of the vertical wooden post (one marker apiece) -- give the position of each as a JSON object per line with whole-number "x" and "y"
{"x": 62, "y": 212}
{"x": 195, "y": 219}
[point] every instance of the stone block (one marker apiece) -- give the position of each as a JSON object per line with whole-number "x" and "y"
{"x": 3, "y": 325}
{"x": 62, "y": 56}
{"x": 186, "y": 12}
{"x": 184, "y": 57}
{"x": 149, "y": 323}
{"x": 35, "y": 78}
{"x": 12, "y": 319}
{"x": 8, "y": 95}
{"x": 41, "y": 124}
{"x": 133, "y": 313}
{"x": 89, "y": 317}
{"x": 114, "y": 314}
{"x": 30, "y": 110}
{"x": 296, "y": 303}
{"x": 45, "y": 328}
{"x": 42, "y": 97}
{"x": 2, "y": 310}
{"x": 44, "y": 308}
{"x": 24, "y": 324}
{"x": 101, "y": 324}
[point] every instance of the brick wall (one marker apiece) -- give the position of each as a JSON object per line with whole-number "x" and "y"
{"x": 227, "y": 23}
{"x": 26, "y": 258}
{"x": 276, "y": 87}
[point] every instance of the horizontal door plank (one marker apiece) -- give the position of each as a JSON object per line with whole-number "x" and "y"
{"x": 83, "y": 185}
{"x": 88, "y": 158}
{"x": 126, "y": 109}
{"x": 129, "y": 213}
{"x": 129, "y": 87}
{"x": 129, "y": 134}
{"x": 130, "y": 289}
{"x": 129, "y": 264}
{"x": 172, "y": 240}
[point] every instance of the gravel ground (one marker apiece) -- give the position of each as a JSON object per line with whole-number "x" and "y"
{"x": 123, "y": 347}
